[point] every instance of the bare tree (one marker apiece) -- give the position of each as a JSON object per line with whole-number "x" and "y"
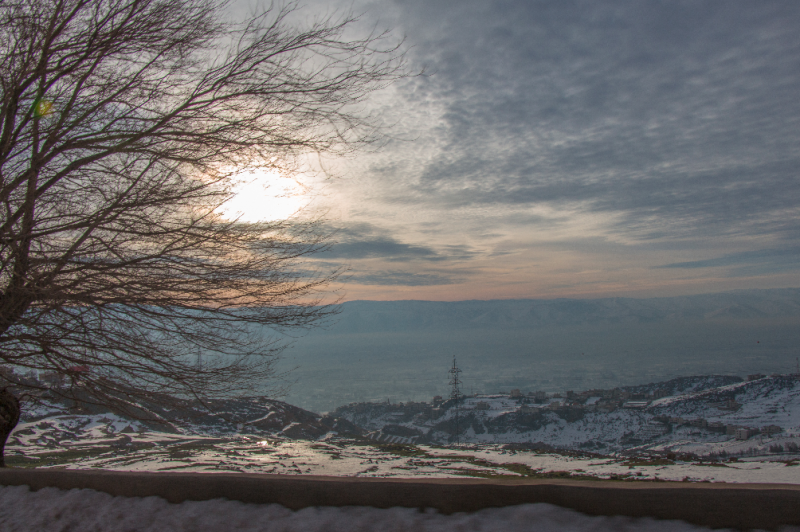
{"x": 122, "y": 123}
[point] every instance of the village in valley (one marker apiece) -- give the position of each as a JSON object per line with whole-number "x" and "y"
{"x": 711, "y": 415}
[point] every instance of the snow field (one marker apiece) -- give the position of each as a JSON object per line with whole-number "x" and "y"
{"x": 168, "y": 452}
{"x": 767, "y": 401}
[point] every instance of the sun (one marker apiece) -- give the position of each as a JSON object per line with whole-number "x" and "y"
{"x": 264, "y": 197}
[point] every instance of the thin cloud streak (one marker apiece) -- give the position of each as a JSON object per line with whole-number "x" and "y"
{"x": 782, "y": 259}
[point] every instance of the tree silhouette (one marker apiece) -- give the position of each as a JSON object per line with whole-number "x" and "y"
{"x": 122, "y": 125}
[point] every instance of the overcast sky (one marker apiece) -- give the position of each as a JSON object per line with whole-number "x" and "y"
{"x": 578, "y": 149}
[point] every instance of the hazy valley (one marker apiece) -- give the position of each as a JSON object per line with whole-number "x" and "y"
{"x": 401, "y": 350}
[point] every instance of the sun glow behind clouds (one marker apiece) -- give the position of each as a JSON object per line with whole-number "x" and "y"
{"x": 264, "y": 197}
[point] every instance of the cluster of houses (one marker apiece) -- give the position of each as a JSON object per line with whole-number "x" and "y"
{"x": 589, "y": 400}
{"x": 609, "y": 400}
{"x": 740, "y": 432}
{"x": 572, "y": 404}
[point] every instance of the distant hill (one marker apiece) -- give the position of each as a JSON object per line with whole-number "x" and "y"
{"x": 217, "y": 417}
{"x": 401, "y": 350}
{"x": 408, "y": 316}
{"x": 684, "y": 415}
{"x": 694, "y": 417}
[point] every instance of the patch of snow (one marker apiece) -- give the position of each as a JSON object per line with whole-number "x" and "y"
{"x": 88, "y": 510}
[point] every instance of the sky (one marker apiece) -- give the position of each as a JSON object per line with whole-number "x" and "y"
{"x": 574, "y": 149}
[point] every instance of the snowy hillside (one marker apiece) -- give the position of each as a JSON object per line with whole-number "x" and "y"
{"x": 52, "y": 432}
{"x": 109, "y": 443}
{"x": 698, "y": 415}
{"x": 498, "y": 436}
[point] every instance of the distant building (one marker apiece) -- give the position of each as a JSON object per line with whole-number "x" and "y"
{"x": 770, "y": 430}
{"x": 652, "y": 430}
{"x": 716, "y": 426}
{"x": 437, "y": 400}
{"x": 412, "y": 406}
{"x": 730, "y": 430}
{"x": 515, "y": 393}
{"x": 607, "y": 406}
{"x": 539, "y": 397}
{"x": 755, "y": 376}
{"x": 636, "y": 405}
{"x": 698, "y": 422}
{"x": 482, "y": 405}
{"x": 744, "y": 433}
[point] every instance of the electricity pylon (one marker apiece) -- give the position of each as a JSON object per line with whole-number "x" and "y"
{"x": 455, "y": 393}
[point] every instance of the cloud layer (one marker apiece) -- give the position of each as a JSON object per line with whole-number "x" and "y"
{"x": 649, "y": 124}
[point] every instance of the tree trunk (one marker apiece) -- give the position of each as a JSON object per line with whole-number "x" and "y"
{"x": 9, "y": 417}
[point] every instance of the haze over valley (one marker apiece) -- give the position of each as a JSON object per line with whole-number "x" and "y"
{"x": 401, "y": 350}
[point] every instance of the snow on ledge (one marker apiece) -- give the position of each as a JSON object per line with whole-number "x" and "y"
{"x": 85, "y": 510}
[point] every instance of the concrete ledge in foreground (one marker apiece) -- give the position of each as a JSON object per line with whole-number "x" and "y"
{"x": 743, "y": 506}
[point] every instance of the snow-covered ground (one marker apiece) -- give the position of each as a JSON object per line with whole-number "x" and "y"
{"x": 57, "y": 510}
{"x": 106, "y": 442}
{"x": 496, "y": 419}
{"x": 502, "y": 435}
{"x": 52, "y": 438}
